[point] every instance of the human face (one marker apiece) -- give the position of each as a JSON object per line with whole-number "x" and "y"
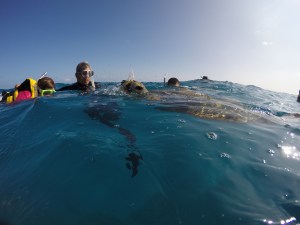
{"x": 84, "y": 77}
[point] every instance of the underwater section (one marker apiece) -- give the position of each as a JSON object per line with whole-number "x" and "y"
{"x": 227, "y": 154}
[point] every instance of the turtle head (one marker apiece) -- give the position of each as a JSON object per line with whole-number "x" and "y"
{"x": 133, "y": 87}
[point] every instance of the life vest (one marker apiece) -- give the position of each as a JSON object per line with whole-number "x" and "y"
{"x": 28, "y": 89}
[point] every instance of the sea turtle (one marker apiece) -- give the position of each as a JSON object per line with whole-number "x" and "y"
{"x": 207, "y": 110}
{"x": 184, "y": 100}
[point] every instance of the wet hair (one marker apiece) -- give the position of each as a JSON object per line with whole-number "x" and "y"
{"x": 173, "y": 82}
{"x": 46, "y": 83}
{"x": 82, "y": 66}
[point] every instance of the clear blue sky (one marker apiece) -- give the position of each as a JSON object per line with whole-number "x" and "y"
{"x": 244, "y": 41}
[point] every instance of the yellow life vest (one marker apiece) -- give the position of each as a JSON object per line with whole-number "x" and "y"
{"x": 28, "y": 85}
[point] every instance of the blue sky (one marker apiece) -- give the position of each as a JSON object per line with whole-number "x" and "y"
{"x": 244, "y": 41}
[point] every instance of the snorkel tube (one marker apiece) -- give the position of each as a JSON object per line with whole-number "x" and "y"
{"x": 44, "y": 74}
{"x": 92, "y": 83}
{"x": 165, "y": 79}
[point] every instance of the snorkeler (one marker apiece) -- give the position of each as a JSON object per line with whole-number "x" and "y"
{"x": 30, "y": 88}
{"x": 173, "y": 82}
{"x": 46, "y": 86}
{"x": 84, "y": 75}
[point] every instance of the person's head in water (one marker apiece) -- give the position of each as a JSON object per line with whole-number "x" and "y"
{"x": 173, "y": 82}
{"x": 132, "y": 86}
{"x": 84, "y": 73}
{"x": 46, "y": 86}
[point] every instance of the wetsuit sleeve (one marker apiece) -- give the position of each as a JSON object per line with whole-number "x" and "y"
{"x": 97, "y": 85}
{"x": 69, "y": 87}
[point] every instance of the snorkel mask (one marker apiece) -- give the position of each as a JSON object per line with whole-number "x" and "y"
{"x": 46, "y": 92}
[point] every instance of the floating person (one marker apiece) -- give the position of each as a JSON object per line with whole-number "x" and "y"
{"x": 177, "y": 89}
{"x": 85, "y": 82}
{"x": 30, "y": 89}
{"x": 173, "y": 82}
{"x": 204, "y": 79}
{"x": 46, "y": 86}
{"x": 298, "y": 99}
{"x": 25, "y": 90}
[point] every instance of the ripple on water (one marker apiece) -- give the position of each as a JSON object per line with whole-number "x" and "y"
{"x": 290, "y": 152}
{"x": 225, "y": 155}
{"x": 212, "y": 135}
{"x": 271, "y": 152}
{"x": 283, "y": 221}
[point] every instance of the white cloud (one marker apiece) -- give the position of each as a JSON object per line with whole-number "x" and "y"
{"x": 267, "y": 43}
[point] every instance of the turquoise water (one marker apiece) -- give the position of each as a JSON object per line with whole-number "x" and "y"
{"x": 107, "y": 158}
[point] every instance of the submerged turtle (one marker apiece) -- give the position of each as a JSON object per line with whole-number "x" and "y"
{"x": 208, "y": 110}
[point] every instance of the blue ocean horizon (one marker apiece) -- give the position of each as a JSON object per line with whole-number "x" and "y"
{"x": 109, "y": 158}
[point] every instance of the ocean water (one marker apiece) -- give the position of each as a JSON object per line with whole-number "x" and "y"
{"x": 111, "y": 159}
